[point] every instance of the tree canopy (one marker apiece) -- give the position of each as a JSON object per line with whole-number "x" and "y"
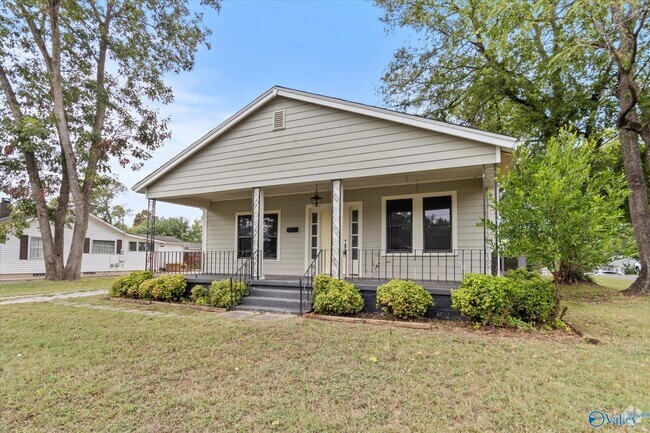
{"x": 556, "y": 210}
{"x": 79, "y": 85}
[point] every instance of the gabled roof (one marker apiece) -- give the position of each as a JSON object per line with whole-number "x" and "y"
{"x": 478, "y": 135}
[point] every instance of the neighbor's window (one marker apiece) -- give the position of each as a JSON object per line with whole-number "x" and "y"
{"x": 133, "y": 246}
{"x": 437, "y": 223}
{"x": 103, "y": 247}
{"x": 35, "y": 248}
{"x": 245, "y": 236}
{"x": 142, "y": 246}
{"x": 399, "y": 225}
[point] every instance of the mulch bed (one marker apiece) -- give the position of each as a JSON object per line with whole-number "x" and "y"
{"x": 167, "y": 304}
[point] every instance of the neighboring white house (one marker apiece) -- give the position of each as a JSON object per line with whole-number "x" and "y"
{"x": 401, "y": 196}
{"x": 107, "y": 250}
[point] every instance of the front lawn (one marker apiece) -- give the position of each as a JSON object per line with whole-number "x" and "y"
{"x": 42, "y": 287}
{"x": 72, "y": 368}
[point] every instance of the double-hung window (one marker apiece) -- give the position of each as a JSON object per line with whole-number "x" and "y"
{"x": 245, "y": 236}
{"x": 437, "y": 223}
{"x": 399, "y": 225}
{"x": 35, "y": 248}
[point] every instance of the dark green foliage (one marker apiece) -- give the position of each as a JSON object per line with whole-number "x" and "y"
{"x": 404, "y": 299}
{"x": 127, "y": 286}
{"x": 521, "y": 297}
{"x": 219, "y": 294}
{"x": 335, "y": 297}
{"x": 199, "y": 294}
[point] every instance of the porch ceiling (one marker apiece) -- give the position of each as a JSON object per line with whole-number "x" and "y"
{"x": 204, "y": 199}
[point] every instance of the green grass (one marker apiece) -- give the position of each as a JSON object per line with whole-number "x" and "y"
{"x": 39, "y": 287}
{"x": 65, "y": 368}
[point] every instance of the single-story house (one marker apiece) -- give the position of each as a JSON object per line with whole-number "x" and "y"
{"x": 297, "y": 183}
{"x": 108, "y": 250}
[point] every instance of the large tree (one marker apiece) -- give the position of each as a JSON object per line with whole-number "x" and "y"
{"x": 543, "y": 216}
{"x": 528, "y": 69}
{"x": 79, "y": 82}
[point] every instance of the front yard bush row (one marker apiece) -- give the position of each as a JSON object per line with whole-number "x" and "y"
{"x": 143, "y": 285}
{"x": 519, "y": 299}
{"x": 172, "y": 288}
{"x": 334, "y": 297}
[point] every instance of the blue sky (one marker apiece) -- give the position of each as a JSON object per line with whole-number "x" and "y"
{"x": 336, "y": 48}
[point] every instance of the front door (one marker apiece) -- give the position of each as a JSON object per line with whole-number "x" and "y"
{"x": 320, "y": 237}
{"x": 352, "y": 240}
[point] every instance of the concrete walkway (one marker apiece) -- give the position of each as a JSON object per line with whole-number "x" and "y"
{"x": 52, "y": 297}
{"x": 61, "y": 297}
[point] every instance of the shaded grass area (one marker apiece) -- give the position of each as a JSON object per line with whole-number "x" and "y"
{"x": 65, "y": 368}
{"x": 40, "y": 287}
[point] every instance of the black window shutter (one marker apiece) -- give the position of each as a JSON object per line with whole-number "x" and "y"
{"x": 24, "y": 241}
{"x": 119, "y": 246}
{"x": 87, "y": 246}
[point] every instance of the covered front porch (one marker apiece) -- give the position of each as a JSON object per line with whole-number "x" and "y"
{"x": 416, "y": 226}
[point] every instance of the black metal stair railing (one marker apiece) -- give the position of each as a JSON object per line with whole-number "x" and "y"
{"x": 319, "y": 265}
{"x": 243, "y": 275}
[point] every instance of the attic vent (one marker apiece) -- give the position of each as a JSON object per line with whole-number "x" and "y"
{"x": 278, "y": 120}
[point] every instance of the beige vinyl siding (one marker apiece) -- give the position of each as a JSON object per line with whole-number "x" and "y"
{"x": 292, "y": 246}
{"x": 318, "y": 143}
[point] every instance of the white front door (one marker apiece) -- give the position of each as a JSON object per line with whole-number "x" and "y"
{"x": 319, "y": 237}
{"x": 352, "y": 239}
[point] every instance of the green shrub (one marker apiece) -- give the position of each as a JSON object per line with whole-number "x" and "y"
{"x": 483, "y": 299}
{"x": 533, "y": 301}
{"x": 404, "y": 299}
{"x": 219, "y": 294}
{"x": 333, "y": 296}
{"x": 146, "y": 288}
{"x": 517, "y": 299}
{"x": 322, "y": 283}
{"x": 127, "y": 286}
{"x": 522, "y": 274}
{"x": 200, "y": 295}
{"x": 168, "y": 288}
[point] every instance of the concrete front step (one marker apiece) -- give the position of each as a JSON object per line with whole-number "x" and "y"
{"x": 280, "y": 292}
{"x": 270, "y": 302}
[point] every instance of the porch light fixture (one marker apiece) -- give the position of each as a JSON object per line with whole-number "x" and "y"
{"x": 316, "y": 199}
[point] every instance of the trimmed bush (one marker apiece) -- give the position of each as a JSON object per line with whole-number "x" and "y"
{"x": 218, "y": 295}
{"x": 520, "y": 299}
{"x": 322, "y": 283}
{"x": 483, "y": 299}
{"x": 334, "y": 297}
{"x": 168, "y": 288}
{"x": 404, "y": 299}
{"x": 146, "y": 288}
{"x": 128, "y": 285}
{"x": 200, "y": 294}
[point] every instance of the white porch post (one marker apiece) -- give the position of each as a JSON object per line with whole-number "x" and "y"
{"x": 257, "y": 235}
{"x": 337, "y": 223}
{"x": 490, "y": 192}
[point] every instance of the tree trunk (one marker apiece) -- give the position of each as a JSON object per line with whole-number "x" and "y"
{"x": 627, "y": 96}
{"x": 638, "y": 201}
